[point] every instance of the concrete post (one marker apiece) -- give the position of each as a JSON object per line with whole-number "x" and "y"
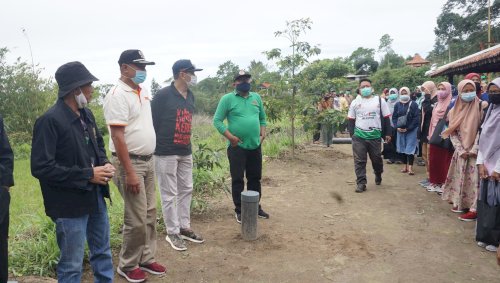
{"x": 249, "y": 211}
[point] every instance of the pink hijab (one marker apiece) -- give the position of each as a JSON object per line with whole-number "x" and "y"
{"x": 440, "y": 109}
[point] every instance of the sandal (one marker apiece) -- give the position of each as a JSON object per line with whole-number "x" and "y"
{"x": 411, "y": 173}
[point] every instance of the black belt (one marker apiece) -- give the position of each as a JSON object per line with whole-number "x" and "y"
{"x": 135, "y": 156}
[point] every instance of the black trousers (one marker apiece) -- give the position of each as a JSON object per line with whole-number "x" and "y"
{"x": 4, "y": 233}
{"x": 244, "y": 162}
{"x": 360, "y": 149}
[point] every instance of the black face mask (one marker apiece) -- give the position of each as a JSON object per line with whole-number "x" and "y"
{"x": 419, "y": 94}
{"x": 494, "y": 98}
{"x": 427, "y": 96}
{"x": 478, "y": 85}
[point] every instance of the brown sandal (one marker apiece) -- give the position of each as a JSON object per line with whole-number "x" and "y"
{"x": 411, "y": 173}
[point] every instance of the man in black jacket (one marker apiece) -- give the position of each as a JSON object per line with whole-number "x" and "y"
{"x": 69, "y": 159}
{"x": 6, "y": 181}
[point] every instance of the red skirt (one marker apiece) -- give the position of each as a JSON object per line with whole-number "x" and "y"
{"x": 439, "y": 163}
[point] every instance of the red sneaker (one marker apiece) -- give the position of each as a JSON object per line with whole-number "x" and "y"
{"x": 469, "y": 216}
{"x": 154, "y": 268}
{"x": 134, "y": 275}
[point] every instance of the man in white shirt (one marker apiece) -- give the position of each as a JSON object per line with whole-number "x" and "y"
{"x": 132, "y": 142}
{"x": 369, "y": 121}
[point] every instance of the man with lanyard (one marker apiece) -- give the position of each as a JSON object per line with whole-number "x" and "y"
{"x": 69, "y": 160}
{"x": 6, "y": 181}
{"x": 369, "y": 117}
{"x": 132, "y": 142}
{"x": 245, "y": 131}
{"x": 172, "y": 109}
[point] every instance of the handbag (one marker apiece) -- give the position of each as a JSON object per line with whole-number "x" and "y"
{"x": 436, "y": 138}
{"x": 403, "y": 120}
{"x": 488, "y": 213}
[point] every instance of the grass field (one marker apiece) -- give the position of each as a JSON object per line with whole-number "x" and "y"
{"x": 32, "y": 245}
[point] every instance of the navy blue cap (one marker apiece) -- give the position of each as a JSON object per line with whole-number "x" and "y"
{"x": 184, "y": 65}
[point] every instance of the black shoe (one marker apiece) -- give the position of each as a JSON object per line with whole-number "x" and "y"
{"x": 378, "y": 180}
{"x": 263, "y": 214}
{"x": 360, "y": 188}
{"x": 238, "y": 217}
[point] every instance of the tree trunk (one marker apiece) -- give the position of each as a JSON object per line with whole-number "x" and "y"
{"x": 293, "y": 121}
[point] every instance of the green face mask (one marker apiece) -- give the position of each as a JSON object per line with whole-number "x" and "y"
{"x": 367, "y": 91}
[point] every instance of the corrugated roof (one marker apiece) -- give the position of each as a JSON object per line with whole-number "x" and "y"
{"x": 484, "y": 61}
{"x": 417, "y": 60}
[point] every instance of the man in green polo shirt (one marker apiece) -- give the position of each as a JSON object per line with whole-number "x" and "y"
{"x": 245, "y": 131}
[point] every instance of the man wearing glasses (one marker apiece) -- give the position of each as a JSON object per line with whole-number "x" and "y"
{"x": 173, "y": 108}
{"x": 245, "y": 131}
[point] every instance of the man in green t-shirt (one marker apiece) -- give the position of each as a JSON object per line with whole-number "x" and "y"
{"x": 245, "y": 131}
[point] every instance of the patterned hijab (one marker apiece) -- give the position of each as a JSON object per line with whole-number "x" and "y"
{"x": 464, "y": 117}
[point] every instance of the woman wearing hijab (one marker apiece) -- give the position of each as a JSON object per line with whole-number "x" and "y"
{"x": 406, "y": 119}
{"x": 461, "y": 184}
{"x": 430, "y": 99}
{"x": 390, "y": 148}
{"x": 488, "y": 160}
{"x": 439, "y": 158}
{"x": 476, "y": 78}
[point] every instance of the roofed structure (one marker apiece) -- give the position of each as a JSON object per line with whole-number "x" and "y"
{"x": 484, "y": 61}
{"x": 417, "y": 61}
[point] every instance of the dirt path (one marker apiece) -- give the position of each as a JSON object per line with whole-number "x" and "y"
{"x": 396, "y": 232}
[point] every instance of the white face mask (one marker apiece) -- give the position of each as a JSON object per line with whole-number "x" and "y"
{"x": 81, "y": 100}
{"x": 193, "y": 81}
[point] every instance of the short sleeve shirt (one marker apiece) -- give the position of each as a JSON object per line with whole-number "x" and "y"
{"x": 124, "y": 106}
{"x": 366, "y": 112}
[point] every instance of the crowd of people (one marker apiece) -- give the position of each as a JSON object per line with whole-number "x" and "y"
{"x": 150, "y": 142}
{"x": 456, "y": 130}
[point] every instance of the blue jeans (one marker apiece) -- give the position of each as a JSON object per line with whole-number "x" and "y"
{"x": 71, "y": 234}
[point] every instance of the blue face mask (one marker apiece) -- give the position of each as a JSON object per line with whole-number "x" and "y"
{"x": 243, "y": 87}
{"x": 140, "y": 76}
{"x": 468, "y": 96}
{"x": 367, "y": 91}
{"x": 393, "y": 97}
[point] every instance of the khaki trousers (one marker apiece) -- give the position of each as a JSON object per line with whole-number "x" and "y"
{"x": 139, "y": 218}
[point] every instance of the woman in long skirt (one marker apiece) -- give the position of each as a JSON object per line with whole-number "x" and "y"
{"x": 461, "y": 186}
{"x": 439, "y": 158}
{"x": 406, "y": 119}
{"x": 488, "y": 160}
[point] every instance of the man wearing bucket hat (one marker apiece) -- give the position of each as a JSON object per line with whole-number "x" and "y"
{"x": 245, "y": 131}
{"x": 69, "y": 160}
{"x": 132, "y": 142}
{"x": 173, "y": 108}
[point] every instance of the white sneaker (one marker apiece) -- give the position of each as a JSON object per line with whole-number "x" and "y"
{"x": 439, "y": 189}
{"x": 432, "y": 188}
{"x": 481, "y": 244}
{"x": 491, "y": 248}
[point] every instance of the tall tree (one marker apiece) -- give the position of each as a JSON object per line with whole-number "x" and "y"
{"x": 462, "y": 29}
{"x": 291, "y": 63}
{"x": 363, "y": 60}
{"x": 225, "y": 74}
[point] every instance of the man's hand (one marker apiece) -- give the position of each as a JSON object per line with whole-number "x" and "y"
{"x": 234, "y": 140}
{"x": 132, "y": 181}
{"x": 388, "y": 139}
{"x": 495, "y": 176}
{"x": 110, "y": 167}
{"x": 102, "y": 175}
{"x": 262, "y": 139}
{"x": 402, "y": 130}
{"x": 483, "y": 174}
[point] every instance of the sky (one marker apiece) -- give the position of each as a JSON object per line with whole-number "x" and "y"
{"x": 209, "y": 33}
